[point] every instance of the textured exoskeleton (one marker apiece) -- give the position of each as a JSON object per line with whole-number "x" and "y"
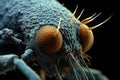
{"x": 23, "y": 24}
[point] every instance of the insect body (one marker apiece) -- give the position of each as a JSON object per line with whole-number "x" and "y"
{"x": 51, "y": 36}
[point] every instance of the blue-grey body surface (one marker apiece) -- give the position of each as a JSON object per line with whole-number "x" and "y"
{"x": 25, "y": 18}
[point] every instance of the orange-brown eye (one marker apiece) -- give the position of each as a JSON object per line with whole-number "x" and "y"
{"x": 86, "y": 34}
{"x": 49, "y": 39}
{"x": 86, "y": 37}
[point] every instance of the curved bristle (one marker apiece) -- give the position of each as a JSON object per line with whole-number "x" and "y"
{"x": 83, "y": 74}
{"x": 73, "y": 13}
{"x": 90, "y": 19}
{"x": 86, "y": 66}
{"x": 86, "y": 19}
{"x": 78, "y": 17}
{"x": 91, "y": 28}
{"x": 74, "y": 70}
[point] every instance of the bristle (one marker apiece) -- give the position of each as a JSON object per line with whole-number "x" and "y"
{"x": 59, "y": 23}
{"x": 73, "y": 13}
{"x": 83, "y": 74}
{"x": 58, "y": 74}
{"x": 90, "y": 19}
{"x": 86, "y": 66}
{"x": 74, "y": 70}
{"x": 78, "y": 17}
{"x": 86, "y": 19}
{"x": 91, "y": 28}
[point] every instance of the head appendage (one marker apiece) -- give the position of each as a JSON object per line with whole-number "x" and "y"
{"x": 74, "y": 70}
{"x": 91, "y": 28}
{"x": 83, "y": 74}
{"x": 58, "y": 74}
{"x": 73, "y": 13}
{"x": 59, "y": 24}
{"x": 90, "y": 19}
{"x": 87, "y": 37}
{"x": 86, "y": 66}
{"x": 78, "y": 17}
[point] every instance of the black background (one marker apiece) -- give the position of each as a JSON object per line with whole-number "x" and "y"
{"x": 105, "y": 51}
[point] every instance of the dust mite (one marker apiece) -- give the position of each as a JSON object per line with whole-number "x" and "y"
{"x": 48, "y": 36}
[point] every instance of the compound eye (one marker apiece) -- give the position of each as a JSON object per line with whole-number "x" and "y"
{"x": 49, "y": 39}
{"x": 86, "y": 36}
